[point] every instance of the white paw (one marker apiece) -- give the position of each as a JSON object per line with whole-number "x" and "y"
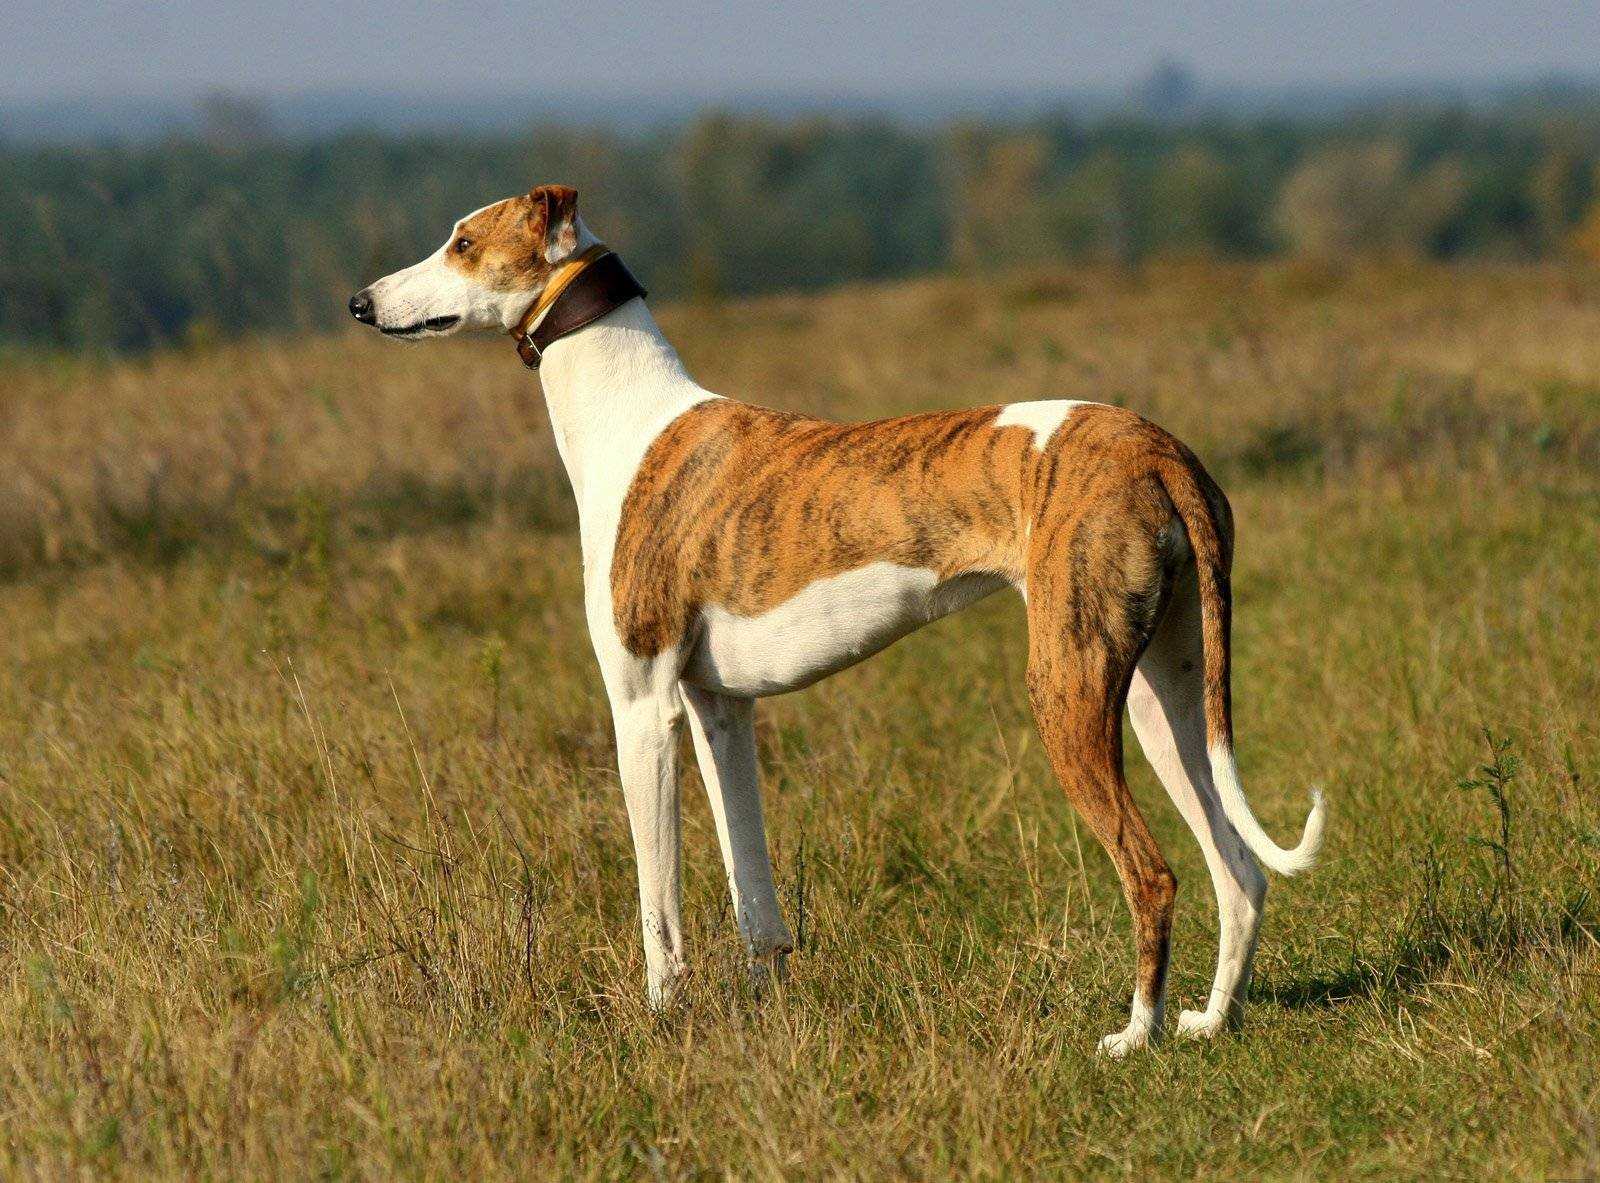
{"x": 666, "y": 992}
{"x": 1201, "y": 1024}
{"x": 1122, "y": 1042}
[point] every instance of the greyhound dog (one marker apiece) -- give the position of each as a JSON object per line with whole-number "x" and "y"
{"x": 732, "y": 552}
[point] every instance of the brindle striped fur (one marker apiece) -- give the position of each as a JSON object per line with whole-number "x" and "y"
{"x": 743, "y": 507}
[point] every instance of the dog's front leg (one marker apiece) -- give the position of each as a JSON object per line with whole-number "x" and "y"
{"x": 647, "y": 757}
{"x": 724, "y": 733}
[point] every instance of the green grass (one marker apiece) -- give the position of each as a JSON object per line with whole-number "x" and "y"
{"x": 313, "y": 862}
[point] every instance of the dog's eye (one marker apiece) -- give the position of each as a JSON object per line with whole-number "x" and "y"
{"x": 463, "y": 245}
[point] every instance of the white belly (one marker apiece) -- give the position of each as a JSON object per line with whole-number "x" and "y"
{"x": 832, "y": 624}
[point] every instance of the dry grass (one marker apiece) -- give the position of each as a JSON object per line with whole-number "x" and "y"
{"x": 312, "y": 860}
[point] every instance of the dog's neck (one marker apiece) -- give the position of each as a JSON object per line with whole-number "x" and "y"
{"x": 610, "y": 388}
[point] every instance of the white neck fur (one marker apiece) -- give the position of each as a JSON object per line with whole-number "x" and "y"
{"x": 610, "y": 388}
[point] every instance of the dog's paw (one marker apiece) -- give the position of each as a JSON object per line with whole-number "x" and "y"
{"x": 766, "y": 971}
{"x": 667, "y": 992}
{"x": 1201, "y": 1024}
{"x": 1118, "y": 1044}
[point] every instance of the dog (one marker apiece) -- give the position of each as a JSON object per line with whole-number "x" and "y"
{"x": 732, "y": 552}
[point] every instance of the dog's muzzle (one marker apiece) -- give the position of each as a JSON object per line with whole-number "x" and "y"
{"x": 364, "y": 310}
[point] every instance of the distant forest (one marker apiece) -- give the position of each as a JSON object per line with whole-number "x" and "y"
{"x": 233, "y": 230}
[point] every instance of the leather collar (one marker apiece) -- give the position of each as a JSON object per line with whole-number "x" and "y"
{"x": 581, "y": 291}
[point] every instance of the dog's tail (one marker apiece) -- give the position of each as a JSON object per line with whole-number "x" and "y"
{"x": 1199, "y": 519}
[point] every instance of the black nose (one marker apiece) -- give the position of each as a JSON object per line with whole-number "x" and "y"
{"x": 361, "y": 307}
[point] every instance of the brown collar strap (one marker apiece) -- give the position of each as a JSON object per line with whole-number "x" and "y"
{"x": 580, "y": 292}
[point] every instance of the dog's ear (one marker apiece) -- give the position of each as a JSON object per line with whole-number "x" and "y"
{"x": 555, "y": 217}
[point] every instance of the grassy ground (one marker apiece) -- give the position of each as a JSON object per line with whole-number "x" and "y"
{"x": 312, "y": 861}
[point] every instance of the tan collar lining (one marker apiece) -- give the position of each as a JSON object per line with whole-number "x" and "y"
{"x": 565, "y": 274}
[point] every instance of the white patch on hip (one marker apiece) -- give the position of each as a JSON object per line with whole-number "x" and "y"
{"x": 829, "y": 625}
{"x": 1044, "y": 417}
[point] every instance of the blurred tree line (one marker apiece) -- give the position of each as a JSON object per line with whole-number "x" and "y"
{"x": 124, "y": 246}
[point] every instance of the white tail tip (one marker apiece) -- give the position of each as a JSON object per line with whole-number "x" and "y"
{"x": 1299, "y": 858}
{"x": 1304, "y": 855}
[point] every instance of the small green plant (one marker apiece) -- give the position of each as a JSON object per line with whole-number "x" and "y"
{"x": 1493, "y": 779}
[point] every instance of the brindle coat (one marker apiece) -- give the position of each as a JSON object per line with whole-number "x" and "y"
{"x": 742, "y": 507}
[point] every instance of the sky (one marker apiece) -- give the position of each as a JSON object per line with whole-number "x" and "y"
{"x": 72, "y": 48}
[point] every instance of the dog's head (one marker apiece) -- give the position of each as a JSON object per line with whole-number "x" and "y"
{"x": 486, "y": 275}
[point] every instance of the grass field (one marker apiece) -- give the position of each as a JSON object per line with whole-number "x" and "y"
{"x": 313, "y": 863}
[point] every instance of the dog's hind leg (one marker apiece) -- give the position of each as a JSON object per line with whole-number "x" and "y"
{"x": 1096, "y": 585}
{"x": 1166, "y": 702}
{"x": 723, "y": 730}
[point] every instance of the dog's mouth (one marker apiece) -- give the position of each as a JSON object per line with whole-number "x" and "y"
{"x": 434, "y": 324}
